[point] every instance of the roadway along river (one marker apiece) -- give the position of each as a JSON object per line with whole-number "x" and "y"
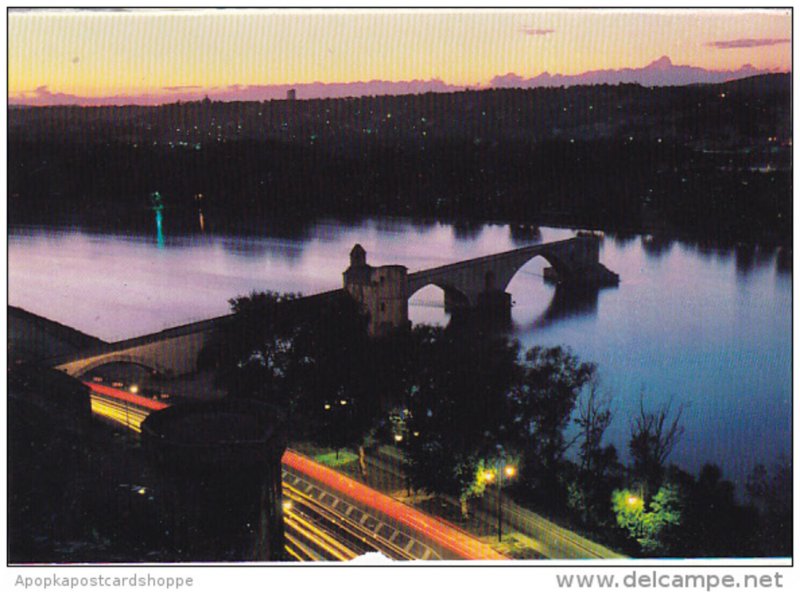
{"x": 706, "y": 327}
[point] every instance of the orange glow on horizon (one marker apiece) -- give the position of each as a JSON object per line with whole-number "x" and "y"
{"x": 101, "y": 53}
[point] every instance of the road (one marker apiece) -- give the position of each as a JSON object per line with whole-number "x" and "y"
{"x": 444, "y": 539}
{"x": 553, "y": 541}
{"x": 315, "y": 532}
{"x": 328, "y": 516}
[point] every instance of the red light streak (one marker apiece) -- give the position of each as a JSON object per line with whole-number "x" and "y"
{"x": 437, "y": 530}
{"x": 126, "y": 396}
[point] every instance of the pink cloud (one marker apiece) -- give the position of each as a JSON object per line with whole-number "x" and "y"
{"x": 186, "y": 87}
{"x": 536, "y": 32}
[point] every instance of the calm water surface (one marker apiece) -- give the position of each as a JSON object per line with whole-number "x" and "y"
{"x": 706, "y": 328}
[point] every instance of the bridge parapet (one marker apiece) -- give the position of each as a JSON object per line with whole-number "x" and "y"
{"x": 573, "y": 261}
{"x": 475, "y": 283}
{"x": 383, "y": 291}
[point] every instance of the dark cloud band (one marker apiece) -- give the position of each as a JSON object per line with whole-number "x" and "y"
{"x": 740, "y": 43}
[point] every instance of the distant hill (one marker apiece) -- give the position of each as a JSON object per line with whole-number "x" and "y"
{"x": 695, "y": 112}
{"x": 762, "y": 84}
{"x": 660, "y": 72}
{"x": 703, "y": 158}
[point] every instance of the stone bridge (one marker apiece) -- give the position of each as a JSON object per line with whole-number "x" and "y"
{"x": 572, "y": 261}
{"x": 171, "y": 352}
{"x": 382, "y": 291}
{"x": 475, "y": 283}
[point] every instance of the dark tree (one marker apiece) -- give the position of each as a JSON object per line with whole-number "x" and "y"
{"x": 593, "y": 418}
{"x": 654, "y": 435}
{"x": 544, "y": 401}
{"x": 333, "y": 377}
{"x": 251, "y": 351}
{"x": 714, "y": 524}
{"x": 458, "y": 408}
{"x": 316, "y": 362}
{"x": 598, "y": 464}
{"x": 771, "y": 492}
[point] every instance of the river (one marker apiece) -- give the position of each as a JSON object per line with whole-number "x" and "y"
{"x": 707, "y": 328}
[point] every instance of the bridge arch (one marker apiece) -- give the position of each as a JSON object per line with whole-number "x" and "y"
{"x": 453, "y": 297}
{"x": 563, "y": 270}
{"x": 446, "y": 288}
{"x": 117, "y": 358}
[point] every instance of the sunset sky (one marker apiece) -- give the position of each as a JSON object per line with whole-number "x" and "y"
{"x": 94, "y": 53}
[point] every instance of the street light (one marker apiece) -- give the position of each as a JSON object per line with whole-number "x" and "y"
{"x": 634, "y": 502}
{"x": 509, "y": 471}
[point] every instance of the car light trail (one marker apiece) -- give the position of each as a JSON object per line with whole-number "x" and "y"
{"x": 359, "y": 538}
{"x": 121, "y": 406}
{"x": 437, "y": 530}
{"x": 297, "y": 550}
{"x": 130, "y": 410}
{"x": 118, "y": 394}
{"x": 319, "y": 537}
{"x": 128, "y": 416}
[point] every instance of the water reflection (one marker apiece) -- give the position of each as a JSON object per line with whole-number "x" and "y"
{"x": 569, "y": 302}
{"x": 467, "y": 230}
{"x": 423, "y": 225}
{"x": 783, "y": 261}
{"x": 745, "y": 257}
{"x": 707, "y": 249}
{"x": 764, "y": 255}
{"x": 252, "y": 248}
{"x": 622, "y": 238}
{"x": 525, "y": 234}
{"x": 656, "y": 246}
{"x": 160, "y": 229}
{"x": 687, "y": 319}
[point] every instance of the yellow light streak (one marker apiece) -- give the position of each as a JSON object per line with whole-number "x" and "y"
{"x": 321, "y": 538}
{"x": 127, "y": 416}
{"x": 347, "y": 524}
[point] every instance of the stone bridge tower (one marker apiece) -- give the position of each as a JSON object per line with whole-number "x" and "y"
{"x": 382, "y": 291}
